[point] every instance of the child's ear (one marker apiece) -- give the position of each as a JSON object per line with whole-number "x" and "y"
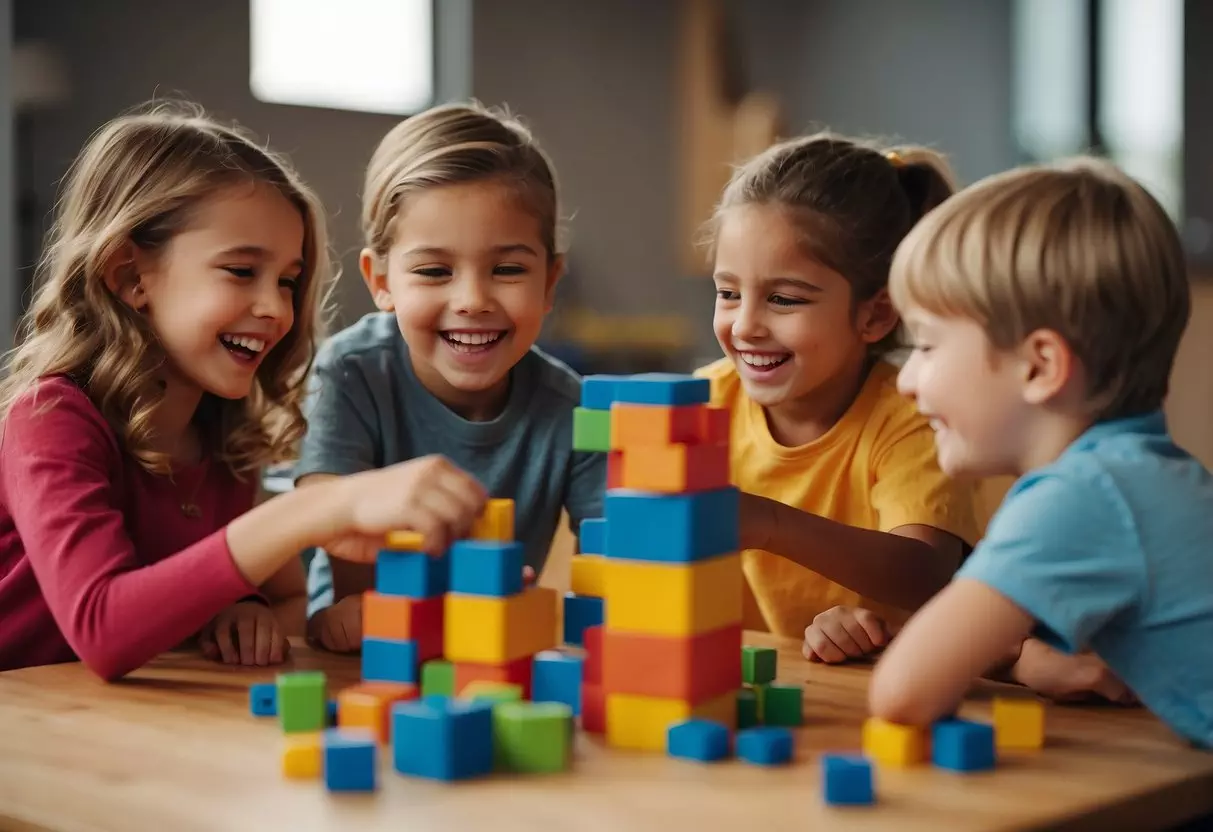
{"x": 1048, "y": 366}
{"x": 555, "y": 272}
{"x": 122, "y": 276}
{"x": 374, "y": 275}
{"x": 877, "y": 317}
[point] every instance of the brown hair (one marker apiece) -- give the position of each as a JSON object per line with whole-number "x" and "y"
{"x": 1078, "y": 248}
{"x": 138, "y": 180}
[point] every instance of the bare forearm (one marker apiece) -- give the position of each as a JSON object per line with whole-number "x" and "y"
{"x": 291, "y": 614}
{"x": 265, "y": 538}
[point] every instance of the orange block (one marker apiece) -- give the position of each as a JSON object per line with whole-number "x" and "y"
{"x": 615, "y": 469}
{"x": 517, "y": 672}
{"x": 716, "y": 425}
{"x": 634, "y": 425}
{"x": 593, "y": 708}
{"x": 675, "y": 469}
{"x": 398, "y": 617}
{"x": 368, "y": 706}
{"x": 690, "y": 668}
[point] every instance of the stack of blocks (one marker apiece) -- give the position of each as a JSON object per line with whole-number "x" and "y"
{"x": 671, "y": 573}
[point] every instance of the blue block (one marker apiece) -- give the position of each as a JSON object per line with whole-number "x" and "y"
{"x": 846, "y": 780}
{"x": 442, "y": 738}
{"x": 961, "y": 745}
{"x": 556, "y": 677}
{"x": 765, "y": 746}
{"x": 350, "y": 761}
{"x": 263, "y": 699}
{"x": 389, "y": 660}
{"x": 698, "y": 739}
{"x": 672, "y": 528}
{"x": 581, "y": 611}
{"x": 486, "y": 567}
{"x": 414, "y": 574}
{"x": 670, "y": 389}
{"x": 330, "y": 714}
{"x": 598, "y": 391}
{"x": 591, "y": 536}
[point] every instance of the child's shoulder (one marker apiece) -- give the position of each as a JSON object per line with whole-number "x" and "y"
{"x": 55, "y": 410}
{"x": 550, "y": 377}
{"x": 371, "y": 336}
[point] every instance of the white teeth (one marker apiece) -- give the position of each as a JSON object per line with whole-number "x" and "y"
{"x": 762, "y": 360}
{"x": 250, "y": 344}
{"x": 473, "y": 338}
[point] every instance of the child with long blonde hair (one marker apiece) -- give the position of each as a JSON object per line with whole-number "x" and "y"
{"x": 160, "y": 367}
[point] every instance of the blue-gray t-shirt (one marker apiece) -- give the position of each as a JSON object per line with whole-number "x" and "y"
{"x": 366, "y": 409}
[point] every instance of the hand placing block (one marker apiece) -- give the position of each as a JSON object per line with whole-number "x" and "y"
{"x": 672, "y": 528}
{"x": 698, "y": 739}
{"x": 367, "y": 707}
{"x": 674, "y": 599}
{"x": 350, "y": 761}
{"x": 557, "y": 678}
{"x": 846, "y": 780}
{"x": 486, "y": 630}
{"x": 767, "y": 746}
{"x": 401, "y": 618}
{"x": 1019, "y": 723}
{"x": 533, "y": 737}
{"x": 894, "y": 745}
{"x": 486, "y": 567}
{"x": 694, "y": 668}
{"x": 496, "y": 522}
{"x": 414, "y": 574}
{"x": 581, "y": 612}
{"x": 442, "y": 739}
{"x": 302, "y": 757}
{"x": 961, "y": 745}
{"x": 301, "y": 701}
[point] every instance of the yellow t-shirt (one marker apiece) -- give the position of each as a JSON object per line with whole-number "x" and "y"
{"x": 874, "y": 469}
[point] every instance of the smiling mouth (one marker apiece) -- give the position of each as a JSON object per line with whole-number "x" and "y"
{"x": 473, "y": 342}
{"x": 763, "y": 362}
{"x": 244, "y": 347}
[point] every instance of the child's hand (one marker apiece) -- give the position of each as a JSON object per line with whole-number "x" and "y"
{"x": 1068, "y": 678}
{"x": 245, "y": 633}
{"x": 842, "y": 633}
{"x": 338, "y": 627}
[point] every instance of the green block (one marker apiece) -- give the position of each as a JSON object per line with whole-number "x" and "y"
{"x": 532, "y": 737}
{"x": 492, "y": 692}
{"x": 782, "y": 705}
{"x": 302, "y": 705}
{"x": 591, "y": 429}
{"x": 757, "y": 665}
{"x": 747, "y": 709}
{"x": 437, "y": 678}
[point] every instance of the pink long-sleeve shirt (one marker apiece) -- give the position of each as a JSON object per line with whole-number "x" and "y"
{"x": 98, "y": 560}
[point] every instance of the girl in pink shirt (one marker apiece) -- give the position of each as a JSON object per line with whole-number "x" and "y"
{"x": 160, "y": 367}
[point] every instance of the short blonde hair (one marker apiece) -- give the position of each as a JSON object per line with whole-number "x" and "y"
{"x": 454, "y": 144}
{"x": 138, "y": 180}
{"x": 1078, "y": 248}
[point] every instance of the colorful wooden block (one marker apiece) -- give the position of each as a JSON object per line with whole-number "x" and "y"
{"x": 960, "y": 745}
{"x": 442, "y": 739}
{"x": 698, "y": 739}
{"x": 675, "y": 469}
{"x": 674, "y": 599}
{"x": 486, "y": 567}
{"x": 330, "y": 714}
{"x": 301, "y": 701}
{"x": 557, "y": 678}
{"x": 614, "y": 478}
{"x": 591, "y": 536}
{"x": 437, "y": 678}
{"x": 263, "y": 699}
{"x": 641, "y": 722}
{"x": 894, "y": 745}
{"x": 671, "y": 389}
{"x": 591, "y": 639}
{"x": 404, "y": 540}
{"x": 350, "y": 761}
{"x": 758, "y": 665}
{"x": 593, "y": 708}
{"x": 846, "y": 780}
{"x": 1019, "y": 723}
{"x": 717, "y": 426}
{"x": 588, "y": 576}
{"x": 414, "y": 574}
{"x": 301, "y": 756}
{"x": 598, "y": 391}
{"x": 492, "y": 692}
{"x": 485, "y": 630}
{"x": 782, "y": 705}
{"x": 496, "y": 522}
{"x": 367, "y": 707}
{"x": 765, "y": 746}
{"x": 533, "y": 737}
{"x": 591, "y": 430}
{"x": 390, "y": 660}
{"x": 581, "y": 612}
{"x": 747, "y": 709}
{"x": 646, "y": 426}
{"x": 694, "y": 668}
{"x": 677, "y": 528}
{"x": 401, "y": 618}
{"x": 518, "y": 672}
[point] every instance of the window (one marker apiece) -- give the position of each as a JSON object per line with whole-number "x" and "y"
{"x": 368, "y": 55}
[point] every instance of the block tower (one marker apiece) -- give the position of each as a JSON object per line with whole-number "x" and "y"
{"x": 671, "y": 572}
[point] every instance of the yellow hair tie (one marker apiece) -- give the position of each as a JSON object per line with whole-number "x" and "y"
{"x": 895, "y": 159}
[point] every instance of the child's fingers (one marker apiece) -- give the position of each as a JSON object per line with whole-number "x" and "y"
{"x": 873, "y": 626}
{"x": 821, "y": 644}
{"x": 246, "y": 639}
{"x": 265, "y": 641}
{"x": 278, "y": 647}
{"x": 837, "y": 632}
{"x": 859, "y": 636}
{"x": 809, "y": 653}
{"x": 227, "y": 647}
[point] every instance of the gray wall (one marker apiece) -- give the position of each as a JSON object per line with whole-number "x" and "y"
{"x": 8, "y": 190}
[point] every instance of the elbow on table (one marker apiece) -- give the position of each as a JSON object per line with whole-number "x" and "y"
{"x": 107, "y": 664}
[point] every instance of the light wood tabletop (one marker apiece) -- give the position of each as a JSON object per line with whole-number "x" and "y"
{"x": 174, "y": 747}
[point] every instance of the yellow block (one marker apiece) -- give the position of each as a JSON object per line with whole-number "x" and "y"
{"x": 484, "y": 629}
{"x": 301, "y": 756}
{"x": 1018, "y": 723}
{"x": 404, "y": 541}
{"x": 893, "y": 744}
{"x": 496, "y": 522}
{"x": 589, "y": 576}
{"x": 673, "y": 599}
{"x": 641, "y": 722}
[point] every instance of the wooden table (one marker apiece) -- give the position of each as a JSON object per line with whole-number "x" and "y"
{"x": 174, "y": 747}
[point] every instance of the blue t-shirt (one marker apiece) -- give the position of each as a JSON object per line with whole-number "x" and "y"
{"x": 1109, "y": 548}
{"x": 366, "y": 409}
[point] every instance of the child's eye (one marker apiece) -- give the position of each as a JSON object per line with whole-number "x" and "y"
{"x": 241, "y": 271}
{"x": 291, "y": 283}
{"x": 510, "y": 270}
{"x": 433, "y": 271}
{"x": 726, "y": 294}
{"x": 783, "y": 300}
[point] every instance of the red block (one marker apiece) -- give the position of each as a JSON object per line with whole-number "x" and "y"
{"x": 593, "y": 709}
{"x": 517, "y": 672}
{"x": 693, "y": 669}
{"x": 591, "y": 642}
{"x": 615, "y": 469}
{"x": 716, "y": 424}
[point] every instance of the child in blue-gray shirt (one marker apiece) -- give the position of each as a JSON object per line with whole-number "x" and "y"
{"x": 1046, "y": 307}
{"x": 460, "y": 219}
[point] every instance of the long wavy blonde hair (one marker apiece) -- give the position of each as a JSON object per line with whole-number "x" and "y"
{"x": 137, "y": 181}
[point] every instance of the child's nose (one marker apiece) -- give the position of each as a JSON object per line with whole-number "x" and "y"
{"x": 749, "y": 323}
{"x": 472, "y": 296}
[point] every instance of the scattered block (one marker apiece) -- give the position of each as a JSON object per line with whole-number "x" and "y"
{"x": 758, "y": 665}
{"x": 389, "y": 660}
{"x": 437, "y": 678}
{"x": 494, "y": 693}
{"x": 747, "y": 709}
{"x": 672, "y": 528}
{"x": 301, "y": 756}
{"x": 263, "y": 699}
{"x": 641, "y": 722}
{"x": 591, "y": 430}
{"x": 486, "y": 630}
{"x": 367, "y": 707}
{"x": 518, "y": 672}
{"x": 635, "y": 426}
{"x": 557, "y": 678}
{"x": 414, "y": 574}
{"x": 486, "y": 567}
{"x": 533, "y": 737}
{"x": 765, "y": 746}
{"x": 694, "y": 668}
{"x": 783, "y": 705}
{"x": 588, "y": 576}
{"x": 598, "y": 391}
{"x": 442, "y": 738}
{"x": 670, "y": 389}
{"x": 580, "y": 612}
{"x": 593, "y": 708}
{"x": 698, "y": 739}
{"x": 401, "y": 618}
{"x": 675, "y": 599}
{"x": 675, "y": 469}
{"x": 330, "y": 714}
{"x": 592, "y": 638}
{"x": 961, "y": 745}
{"x": 591, "y": 536}
{"x": 301, "y": 701}
{"x": 1019, "y": 723}
{"x": 894, "y": 745}
{"x": 846, "y": 780}
{"x": 350, "y": 761}
{"x": 496, "y": 522}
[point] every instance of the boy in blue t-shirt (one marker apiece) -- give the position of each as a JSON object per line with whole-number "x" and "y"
{"x": 1046, "y": 307}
